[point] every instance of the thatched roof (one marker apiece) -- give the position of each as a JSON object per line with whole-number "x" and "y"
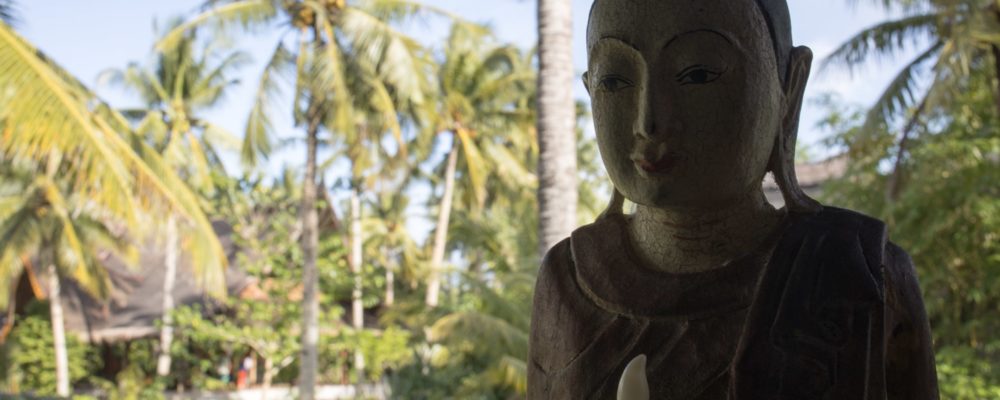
{"x": 137, "y": 302}
{"x": 811, "y": 177}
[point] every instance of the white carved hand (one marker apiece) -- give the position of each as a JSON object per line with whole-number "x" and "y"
{"x": 633, "y": 385}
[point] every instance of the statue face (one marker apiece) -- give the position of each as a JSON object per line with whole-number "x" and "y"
{"x": 686, "y": 98}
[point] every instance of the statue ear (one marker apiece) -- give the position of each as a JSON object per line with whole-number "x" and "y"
{"x": 586, "y": 81}
{"x": 782, "y": 163}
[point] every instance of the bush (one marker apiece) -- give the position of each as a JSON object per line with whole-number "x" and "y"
{"x": 965, "y": 375}
{"x": 29, "y": 361}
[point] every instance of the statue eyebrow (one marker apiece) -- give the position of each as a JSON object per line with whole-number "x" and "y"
{"x": 617, "y": 39}
{"x": 728, "y": 37}
{"x": 724, "y": 35}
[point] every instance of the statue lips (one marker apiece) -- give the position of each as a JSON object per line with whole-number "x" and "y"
{"x": 657, "y": 166}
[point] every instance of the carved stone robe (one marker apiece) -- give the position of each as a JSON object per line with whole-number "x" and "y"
{"x": 825, "y": 308}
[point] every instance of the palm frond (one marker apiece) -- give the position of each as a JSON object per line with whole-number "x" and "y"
{"x": 512, "y": 372}
{"x": 329, "y": 77}
{"x": 902, "y": 92}
{"x": 885, "y": 39}
{"x": 477, "y": 166}
{"x": 243, "y": 14}
{"x": 42, "y": 113}
{"x": 11, "y": 267}
{"x": 480, "y": 329}
{"x": 396, "y": 11}
{"x": 71, "y": 253}
{"x": 49, "y": 110}
{"x": 397, "y": 56}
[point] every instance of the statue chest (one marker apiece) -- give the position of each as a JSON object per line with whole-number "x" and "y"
{"x": 687, "y": 359}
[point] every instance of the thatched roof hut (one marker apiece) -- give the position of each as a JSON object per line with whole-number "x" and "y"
{"x": 811, "y": 176}
{"x": 137, "y": 300}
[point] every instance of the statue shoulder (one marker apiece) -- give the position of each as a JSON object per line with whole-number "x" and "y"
{"x": 560, "y": 262}
{"x": 848, "y": 229}
{"x": 910, "y": 366}
{"x": 564, "y": 320}
{"x": 842, "y": 220}
{"x": 839, "y": 306}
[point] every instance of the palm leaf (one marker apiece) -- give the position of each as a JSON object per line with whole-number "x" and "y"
{"x": 226, "y": 15}
{"x": 477, "y": 166}
{"x": 481, "y": 329}
{"x": 885, "y": 39}
{"x": 328, "y": 76}
{"x": 71, "y": 251}
{"x": 51, "y": 113}
{"x": 901, "y": 94}
{"x": 396, "y": 55}
{"x": 259, "y": 128}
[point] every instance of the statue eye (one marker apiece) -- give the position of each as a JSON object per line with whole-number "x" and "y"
{"x": 614, "y": 83}
{"x": 697, "y": 75}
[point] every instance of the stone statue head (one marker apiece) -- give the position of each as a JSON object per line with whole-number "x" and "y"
{"x": 695, "y": 101}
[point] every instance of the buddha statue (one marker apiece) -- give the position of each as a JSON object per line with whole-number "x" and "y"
{"x": 716, "y": 292}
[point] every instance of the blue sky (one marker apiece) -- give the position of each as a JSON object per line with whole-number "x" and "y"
{"x": 87, "y": 37}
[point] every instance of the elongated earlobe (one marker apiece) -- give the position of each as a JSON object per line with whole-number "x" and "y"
{"x": 782, "y": 163}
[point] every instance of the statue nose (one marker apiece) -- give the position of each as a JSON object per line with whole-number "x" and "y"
{"x": 645, "y": 122}
{"x": 643, "y": 130}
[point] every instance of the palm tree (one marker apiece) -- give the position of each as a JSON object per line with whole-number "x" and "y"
{"x": 557, "y": 193}
{"x": 63, "y": 233}
{"x": 44, "y": 110}
{"x": 959, "y": 35}
{"x": 483, "y": 91}
{"x": 390, "y": 243}
{"x": 333, "y": 35}
{"x": 49, "y": 118}
{"x": 178, "y": 85}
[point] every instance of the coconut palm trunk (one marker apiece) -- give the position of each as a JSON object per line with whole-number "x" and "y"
{"x": 557, "y": 192}
{"x": 310, "y": 275}
{"x": 357, "y": 307}
{"x": 441, "y": 231}
{"x": 390, "y": 281}
{"x": 269, "y": 373}
{"x": 170, "y": 275}
{"x": 58, "y": 334}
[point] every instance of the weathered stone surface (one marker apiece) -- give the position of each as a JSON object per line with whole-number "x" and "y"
{"x": 728, "y": 298}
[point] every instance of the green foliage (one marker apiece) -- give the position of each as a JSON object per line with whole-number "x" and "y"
{"x": 385, "y": 350}
{"x": 382, "y": 105}
{"x": 52, "y": 121}
{"x": 966, "y": 376}
{"x": 946, "y": 214}
{"x": 29, "y": 355}
{"x": 951, "y": 37}
{"x": 935, "y": 181}
{"x": 137, "y": 379}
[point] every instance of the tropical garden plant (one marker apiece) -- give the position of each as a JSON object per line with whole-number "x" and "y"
{"x": 483, "y": 88}
{"x": 180, "y": 85}
{"x": 335, "y": 38}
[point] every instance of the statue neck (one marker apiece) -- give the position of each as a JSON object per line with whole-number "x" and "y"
{"x": 698, "y": 240}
